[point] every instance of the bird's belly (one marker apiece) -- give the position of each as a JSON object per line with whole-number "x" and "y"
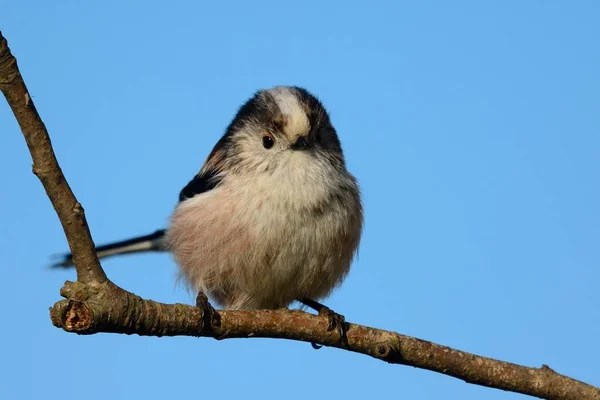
{"x": 295, "y": 259}
{"x": 256, "y": 255}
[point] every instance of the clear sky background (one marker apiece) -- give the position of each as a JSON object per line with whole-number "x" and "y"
{"x": 473, "y": 128}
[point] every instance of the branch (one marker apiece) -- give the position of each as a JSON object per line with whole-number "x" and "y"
{"x": 46, "y": 167}
{"x": 94, "y": 304}
{"x": 108, "y": 308}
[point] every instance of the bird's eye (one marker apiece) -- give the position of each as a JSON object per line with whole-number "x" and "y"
{"x": 268, "y": 141}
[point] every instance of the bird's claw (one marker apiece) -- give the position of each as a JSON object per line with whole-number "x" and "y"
{"x": 209, "y": 314}
{"x": 335, "y": 321}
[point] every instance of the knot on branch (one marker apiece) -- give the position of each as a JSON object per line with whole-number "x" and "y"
{"x": 76, "y": 291}
{"x": 389, "y": 350}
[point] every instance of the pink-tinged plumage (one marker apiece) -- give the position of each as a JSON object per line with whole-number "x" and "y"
{"x": 265, "y": 223}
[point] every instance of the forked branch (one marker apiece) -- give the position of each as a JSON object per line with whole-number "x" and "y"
{"x": 94, "y": 304}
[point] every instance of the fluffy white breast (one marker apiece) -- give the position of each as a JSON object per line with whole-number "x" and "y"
{"x": 298, "y": 182}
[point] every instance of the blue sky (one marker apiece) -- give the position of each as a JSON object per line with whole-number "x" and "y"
{"x": 474, "y": 131}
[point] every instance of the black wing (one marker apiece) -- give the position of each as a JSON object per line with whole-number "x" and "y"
{"x": 208, "y": 177}
{"x": 203, "y": 182}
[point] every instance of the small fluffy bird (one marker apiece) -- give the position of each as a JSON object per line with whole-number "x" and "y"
{"x": 272, "y": 217}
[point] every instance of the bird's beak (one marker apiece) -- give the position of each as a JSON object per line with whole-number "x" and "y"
{"x": 302, "y": 143}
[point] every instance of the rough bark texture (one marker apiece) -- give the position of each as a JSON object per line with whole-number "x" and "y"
{"x": 94, "y": 304}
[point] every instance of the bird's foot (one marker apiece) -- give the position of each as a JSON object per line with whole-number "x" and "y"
{"x": 209, "y": 314}
{"x": 336, "y": 321}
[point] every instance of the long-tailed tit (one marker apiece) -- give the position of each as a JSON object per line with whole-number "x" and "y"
{"x": 272, "y": 217}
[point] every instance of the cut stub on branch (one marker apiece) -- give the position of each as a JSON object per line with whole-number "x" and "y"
{"x": 105, "y": 307}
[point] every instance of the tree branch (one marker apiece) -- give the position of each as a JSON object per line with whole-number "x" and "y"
{"x": 94, "y": 304}
{"x": 108, "y": 308}
{"x": 46, "y": 167}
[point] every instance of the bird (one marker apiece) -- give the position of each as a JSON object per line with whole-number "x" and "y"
{"x": 272, "y": 217}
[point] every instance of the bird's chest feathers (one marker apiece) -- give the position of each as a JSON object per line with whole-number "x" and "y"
{"x": 290, "y": 188}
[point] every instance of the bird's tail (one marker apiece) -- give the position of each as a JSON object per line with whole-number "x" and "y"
{"x": 152, "y": 242}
